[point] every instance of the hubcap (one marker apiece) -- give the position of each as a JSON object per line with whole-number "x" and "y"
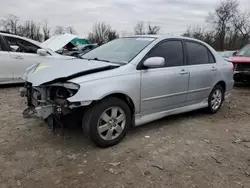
{"x": 216, "y": 99}
{"x": 111, "y": 123}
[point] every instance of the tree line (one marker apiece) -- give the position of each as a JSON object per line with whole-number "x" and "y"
{"x": 227, "y": 28}
{"x": 31, "y": 29}
{"x": 100, "y": 33}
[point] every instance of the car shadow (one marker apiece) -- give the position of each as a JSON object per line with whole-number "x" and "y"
{"x": 242, "y": 85}
{"x": 74, "y": 134}
{"x": 11, "y": 85}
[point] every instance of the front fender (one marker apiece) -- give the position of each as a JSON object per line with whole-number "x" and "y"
{"x": 128, "y": 84}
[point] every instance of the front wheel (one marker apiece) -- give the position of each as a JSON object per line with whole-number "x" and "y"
{"x": 215, "y": 99}
{"x": 107, "y": 122}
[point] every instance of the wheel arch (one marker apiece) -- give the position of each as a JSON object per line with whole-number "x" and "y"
{"x": 123, "y": 97}
{"x": 222, "y": 84}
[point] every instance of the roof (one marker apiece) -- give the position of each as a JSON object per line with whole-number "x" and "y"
{"x": 162, "y": 37}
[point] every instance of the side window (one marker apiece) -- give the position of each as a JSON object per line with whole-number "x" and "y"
{"x": 211, "y": 57}
{"x": 1, "y": 45}
{"x": 171, "y": 51}
{"x": 197, "y": 54}
{"x": 19, "y": 45}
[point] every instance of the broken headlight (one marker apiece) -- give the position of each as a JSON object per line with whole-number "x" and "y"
{"x": 63, "y": 90}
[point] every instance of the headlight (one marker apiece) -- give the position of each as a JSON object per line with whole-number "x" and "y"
{"x": 63, "y": 90}
{"x": 70, "y": 85}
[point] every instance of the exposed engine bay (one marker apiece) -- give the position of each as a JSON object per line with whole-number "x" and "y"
{"x": 49, "y": 102}
{"x": 49, "y": 99}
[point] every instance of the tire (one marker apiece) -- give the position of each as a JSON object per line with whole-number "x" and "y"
{"x": 213, "y": 109}
{"x": 95, "y": 116}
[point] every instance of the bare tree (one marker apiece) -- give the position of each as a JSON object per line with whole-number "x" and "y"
{"x": 59, "y": 30}
{"x": 139, "y": 28}
{"x": 112, "y": 35}
{"x": 231, "y": 27}
{"x": 241, "y": 23}
{"x": 221, "y": 18}
{"x": 46, "y": 30}
{"x": 31, "y": 30}
{"x": 200, "y": 33}
{"x": 70, "y": 30}
{"x": 10, "y": 24}
{"x": 152, "y": 30}
{"x": 102, "y": 33}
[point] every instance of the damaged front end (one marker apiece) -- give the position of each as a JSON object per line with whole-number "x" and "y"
{"x": 49, "y": 99}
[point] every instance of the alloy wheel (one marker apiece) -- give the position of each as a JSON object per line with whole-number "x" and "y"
{"x": 111, "y": 123}
{"x": 216, "y": 99}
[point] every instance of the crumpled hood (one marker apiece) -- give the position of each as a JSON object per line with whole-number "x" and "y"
{"x": 57, "y": 42}
{"x": 240, "y": 59}
{"x": 62, "y": 70}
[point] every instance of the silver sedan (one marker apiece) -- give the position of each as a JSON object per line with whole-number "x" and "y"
{"x": 129, "y": 82}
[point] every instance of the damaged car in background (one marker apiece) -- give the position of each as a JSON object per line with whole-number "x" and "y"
{"x": 128, "y": 82}
{"x": 18, "y": 53}
{"x": 241, "y": 62}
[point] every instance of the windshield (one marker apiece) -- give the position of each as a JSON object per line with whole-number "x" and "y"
{"x": 120, "y": 50}
{"x": 245, "y": 51}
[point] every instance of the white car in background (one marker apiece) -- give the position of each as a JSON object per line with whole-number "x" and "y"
{"x": 18, "y": 53}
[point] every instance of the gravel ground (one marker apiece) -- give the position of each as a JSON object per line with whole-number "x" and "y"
{"x": 185, "y": 151}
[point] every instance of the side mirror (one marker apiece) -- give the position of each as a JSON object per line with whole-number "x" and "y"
{"x": 42, "y": 52}
{"x": 234, "y": 54}
{"x": 154, "y": 62}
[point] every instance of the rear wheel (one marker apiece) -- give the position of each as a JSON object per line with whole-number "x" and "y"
{"x": 107, "y": 122}
{"x": 215, "y": 99}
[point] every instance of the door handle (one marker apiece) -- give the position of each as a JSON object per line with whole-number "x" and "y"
{"x": 18, "y": 57}
{"x": 183, "y": 72}
{"x": 214, "y": 69}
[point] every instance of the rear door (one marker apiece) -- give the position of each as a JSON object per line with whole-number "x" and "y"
{"x": 6, "y": 72}
{"x": 203, "y": 71}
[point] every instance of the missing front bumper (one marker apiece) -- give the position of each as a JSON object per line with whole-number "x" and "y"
{"x": 44, "y": 112}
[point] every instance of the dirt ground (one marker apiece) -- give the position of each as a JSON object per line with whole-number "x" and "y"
{"x": 185, "y": 151}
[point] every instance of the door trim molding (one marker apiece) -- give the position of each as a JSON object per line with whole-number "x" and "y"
{"x": 198, "y": 90}
{"x": 175, "y": 94}
{"x": 164, "y": 96}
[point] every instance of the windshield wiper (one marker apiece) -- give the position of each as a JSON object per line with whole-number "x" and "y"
{"x": 96, "y": 59}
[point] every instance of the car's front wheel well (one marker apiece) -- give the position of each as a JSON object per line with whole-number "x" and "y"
{"x": 126, "y": 99}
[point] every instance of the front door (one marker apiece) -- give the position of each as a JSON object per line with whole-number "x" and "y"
{"x": 6, "y": 72}
{"x": 23, "y": 54}
{"x": 6, "y": 67}
{"x": 165, "y": 88}
{"x": 203, "y": 72}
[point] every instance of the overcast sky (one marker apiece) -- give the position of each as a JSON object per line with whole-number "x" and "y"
{"x": 173, "y": 16}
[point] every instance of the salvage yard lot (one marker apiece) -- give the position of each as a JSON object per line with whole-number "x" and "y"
{"x": 189, "y": 150}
